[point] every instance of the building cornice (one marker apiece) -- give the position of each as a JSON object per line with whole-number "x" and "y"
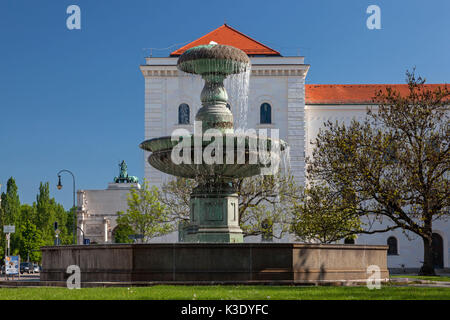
{"x": 342, "y": 106}
{"x": 262, "y": 70}
{"x": 260, "y": 66}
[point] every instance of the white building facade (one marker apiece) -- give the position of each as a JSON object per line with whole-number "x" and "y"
{"x": 97, "y": 209}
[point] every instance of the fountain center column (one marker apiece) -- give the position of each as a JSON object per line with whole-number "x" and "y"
{"x": 214, "y": 204}
{"x": 214, "y": 215}
{"x": 214, "y": 113}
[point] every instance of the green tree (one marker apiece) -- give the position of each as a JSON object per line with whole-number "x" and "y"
{"x": 30, "y": 242}
{"x": 44, "y": 209}
{"x": 48, "y": 211}
{"x": 64, "y": 219}
{"x": 10, "y": 212}
{"x": 175, "y": 195}
{"x": 146, "y": 215}
{"x": 27, "y": 215}
{"x": 10, "y": 203}
{"x": 34, "y": 223}
{"x": 324, "y": 216}
{"x": 70, "y": 221}
{"x": 122, "y": 233}
{"x": 265, "y": 202}
{"x": 395, "y": 163}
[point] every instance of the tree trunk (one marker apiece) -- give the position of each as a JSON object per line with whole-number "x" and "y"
{"x": 427, "y": 268}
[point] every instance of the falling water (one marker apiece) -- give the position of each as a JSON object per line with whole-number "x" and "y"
{"x": 237, "y": 86}
{"x": 286, "y": 161}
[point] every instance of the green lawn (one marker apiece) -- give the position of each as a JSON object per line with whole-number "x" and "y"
{"x": 432, "y": 278}
{"x": 229, "y": 292}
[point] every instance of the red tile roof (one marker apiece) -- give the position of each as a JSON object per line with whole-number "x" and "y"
{"x": 351, "y": 93}
{"x": 229, "y": 36}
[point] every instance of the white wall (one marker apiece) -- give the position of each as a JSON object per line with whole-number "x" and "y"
{"x": 278, "y": 81}
{"x": 410, "y": 246}
{"x": 317, "y": 115}
{"x": 98, "y": 211}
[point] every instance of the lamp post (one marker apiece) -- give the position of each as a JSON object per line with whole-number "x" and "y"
{"x": 59, "y": 186}
{"x": 81, "y": 232}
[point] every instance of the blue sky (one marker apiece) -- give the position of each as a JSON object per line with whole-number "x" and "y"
{"x": 74, "y": 99}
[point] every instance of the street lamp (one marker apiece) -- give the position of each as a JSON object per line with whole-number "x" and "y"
{"x": 59, "y": 186}
{"x": 82, "y": 231}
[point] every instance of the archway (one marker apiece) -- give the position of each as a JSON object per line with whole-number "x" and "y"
{"x": 393, "y": 246}
{"x": 265, "y": 113}
{"x": 438, "y": 251}
{"x": 183, "y": 114}
{"x": 349, "y": 241}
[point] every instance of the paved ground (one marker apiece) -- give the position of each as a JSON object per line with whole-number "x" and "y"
{"x": 34, "y": 280}
{"x": 23, "y": 277}
{"x": 406, "y": 280}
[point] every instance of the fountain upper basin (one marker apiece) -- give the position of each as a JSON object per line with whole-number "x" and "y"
{"x": 213, "y": 59}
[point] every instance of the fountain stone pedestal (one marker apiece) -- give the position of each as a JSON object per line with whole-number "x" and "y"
{"x": 214, "y": 215}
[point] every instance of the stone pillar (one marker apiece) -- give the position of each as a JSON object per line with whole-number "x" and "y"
{"x": 296, "y": 126}
{"x": 81, "y": 227}
{"x": 155, "y": 92}
{"x": 81, "y": 215}
{"x": 214, "y": 216}
{"x": 105, "y": 230}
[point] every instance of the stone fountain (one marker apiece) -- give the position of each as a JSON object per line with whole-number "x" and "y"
{"x": 214, "y": 203}
{"x": 213, "y": 251}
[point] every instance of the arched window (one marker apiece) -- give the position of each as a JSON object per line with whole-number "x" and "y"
{"x": 390, "y": 155}
{"x": 267, "y": 231}
{"x": 265, "y": 113}
{"x": 438, "y": 251}
{"x": 349, "y": 241}
{"x": 393, "y": 246}
{"x": 183, "y": 114}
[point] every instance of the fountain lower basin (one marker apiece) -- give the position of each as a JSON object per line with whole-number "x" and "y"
{"x": 213, "y": 263}
{"x": 241, "y": 157}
